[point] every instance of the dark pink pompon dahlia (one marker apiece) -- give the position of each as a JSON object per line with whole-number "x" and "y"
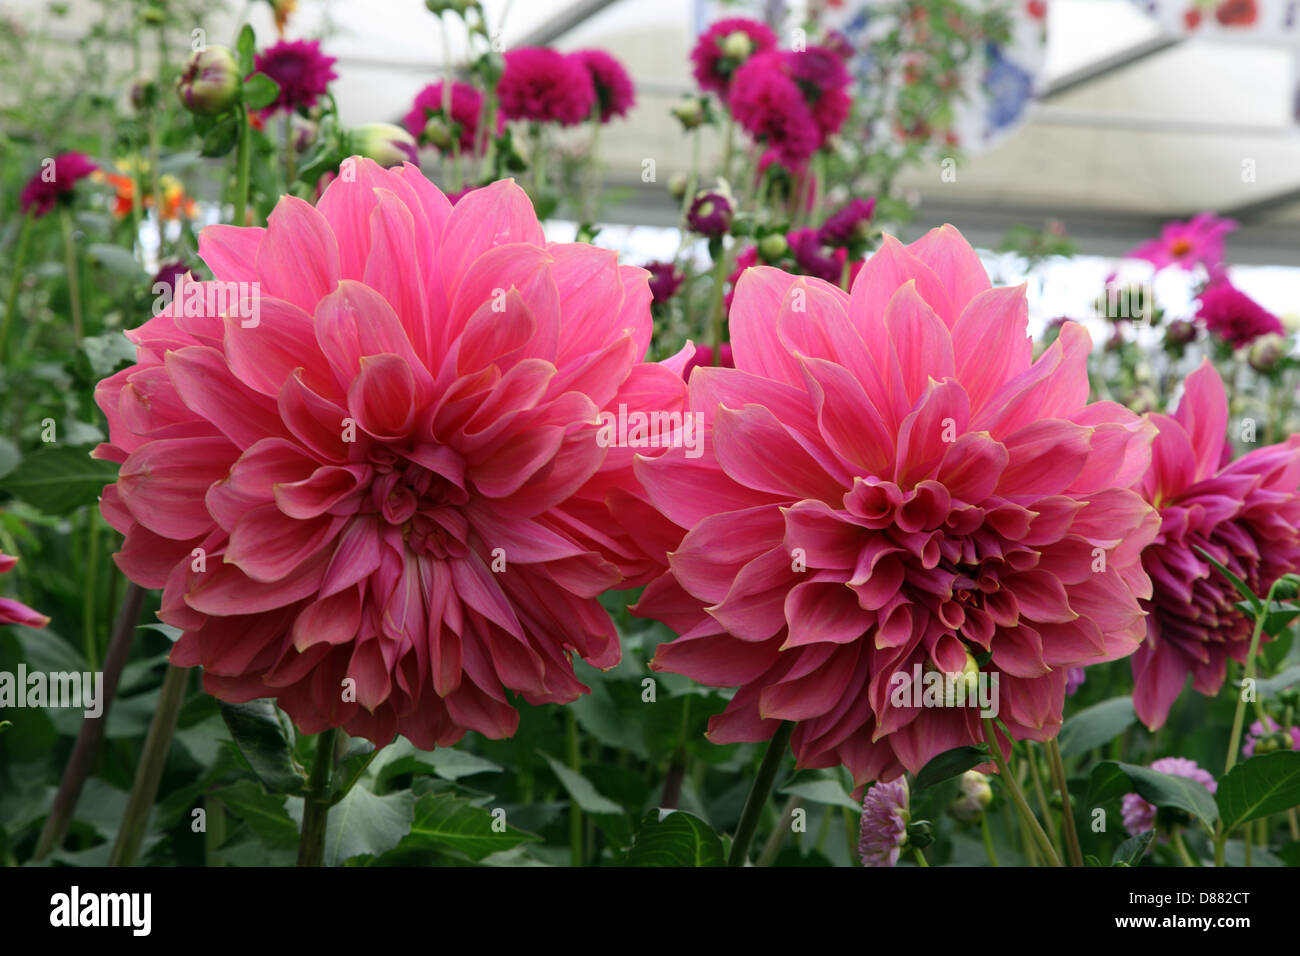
{"x": 541, "y": 85}
{"x": 891, "y": 486}
{"x": 724, "y": 47}
{"x": 392, "y": 477}
{"x": 466, "y": 112}
{"x": 53, "y": 181}
{"x": 614, "y": 90}
{"x": 1245, "y": 513}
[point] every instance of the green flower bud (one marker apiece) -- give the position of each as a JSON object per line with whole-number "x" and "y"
{"x": 737, "y": 45}
{"x": 1266, "y": 351}
{"x": 772, "y": 247}
{"x": 690, "y": 113}
{"x": 210, "y": 82}
{"x": 438, "y": 133}
{"x": 920, "y": 834}
{"x": 386, "y": 144}
{"x": 975, "y": 796}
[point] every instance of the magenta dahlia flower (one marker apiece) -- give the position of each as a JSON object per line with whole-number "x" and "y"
{"x": 368, "y": 491}
{"x": 15, "y": 612}
{"x": 665, "y": 280}
{"x": 850, "y": 224}
{"x": 614, "y": 90}
{"x": 883, "y": 829}
{"x": 1140, "y": 816}
{"x": 891, "y": 488}
{"x": 724, "y": 47}
{"x": 1233, "y": 316}
{"x": 466, "y": 113}
{"x": 769, "y": 105}
{"x": 704, "y": 357}
{"x": 1199, "y": 241}
{"x": 541, "y": 85}
{"x": 1245, "y": 513}
{"x": 300, "y": 69}
{"x": 53, "y": 182}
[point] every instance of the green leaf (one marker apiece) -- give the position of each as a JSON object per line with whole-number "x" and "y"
{"x": 57, "y": 479}
{"x": 223, "y": 136}
{"x": 581, "y": 790}
{"x": 9, "y": 456}
{"x": 260, "y": 91}
{"x": 825, "y": 791}
{"x": 451, "y": 764}
{"x": 1168, "y": 790}
{"x": 265, "y": 813}
{"x": 1270, "y": 686}
{"x": 1242, "y": 588}
{"x": 1131, "y": 851}
{"x": 674, "y": 838}
{"x": 365, "y": 824}
{"x": 950, "y": 763}
{"x": 244, "y": 48}
{"x": 445, "y": 821}
{"x": 266, "y": 742}
{"x": 115, "y": 259}
{"x": 1269, "y": 783}
{"x": 1096, "y": 725}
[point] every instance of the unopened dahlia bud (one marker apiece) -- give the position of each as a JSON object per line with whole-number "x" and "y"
{"x": 737, "y": 45}
{"x": 438, "y": 133}
{"x": 677, "y": 184}
{"x": 690, "y": 113}
{"x": 1266, "y": 351}
{"x": 1179, "y": 332}
{"x": 975, "y": 796}
{"x": 710, "y": 214}
{"x": 209, "y": 84}
{"x": 772, "y": 247}
{"x": 386, "y": 144}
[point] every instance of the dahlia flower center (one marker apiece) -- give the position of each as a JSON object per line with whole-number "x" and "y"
{"x": 420, "y": 501}
{"x": 1180, "y": 246}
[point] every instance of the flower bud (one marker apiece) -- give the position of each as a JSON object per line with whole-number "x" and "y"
{"x": 1266, "y": 351}
{"x": 210, "y": 82}
{"x": 690, "y": 113}
{"x": 386, "y": 144}
{"x": 737, "y": 45}
{"x": 772, "y": 247}
{"x": 144, "y": 93}
{"x": 920, "y": 834}
{"x": 677, "y": 184}
{"x": 1287, "y": 587}
{"x": 438, "y": 133}
{"x": 975, "y": 796}
{"x": 710, "y": 214}
{"x": 1180, "y": 332}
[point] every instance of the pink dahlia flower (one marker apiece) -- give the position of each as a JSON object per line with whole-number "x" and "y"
{"x": 1245, "y": 513}
{"x": 1200, "y": 240}
{"x": 301, "y": 70}
{"x": 466, "y": 112}
{"x": 1140, "y": 816}
{"x": 1233, "y": 316}
{"x": 726, "y": 45}
{"x": 614, "y": 90}
{"x": 392, "y": 474}
{"x": 54, "y": 181}
{"x": 541, "y": 85}
{"x": 891, "y": 487}
{"x": 883, "y": 829}
{"x": 15, "y": 612}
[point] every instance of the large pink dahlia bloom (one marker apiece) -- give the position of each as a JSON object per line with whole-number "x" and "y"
{"x": 384, "y": 478}
{"x": 889, "y": 483}
{"x": 1245, "y": 513}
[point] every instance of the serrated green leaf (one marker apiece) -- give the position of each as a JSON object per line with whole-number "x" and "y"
{"x": 446, "y": 821}
{"x": 1254, "y": 788}
{"x": 950, "y": 763}
{"x": 1131, "y": 851}
{"x": 222, "y": 137}
{"x": 266, "y": 743}
{"x": 364, "y": 824}
{"x": 581, "y": 790}
{"x": 1096, "y": 725}
{"x": 830, "y": 793}
{"x": 1165, "y": 790}
{"x": 674, "y": 838}
{"x": 260, "y": 91}
{"x": 1279, "y": 682}
{"x": 57, "y": 479}
{"x": 265, "y": 813}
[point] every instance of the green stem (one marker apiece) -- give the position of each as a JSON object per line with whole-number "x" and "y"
{"x": 715, "y": 318}
{"x": 316, "y": 802}
{"x": 1018, "y": 797}
{"x": 149, "y": 772}
{"x": 575, "y": 812}
{"x": 988, "y": 840}
{"x": 290, "y": 173}
{"x": 1041, "y": 794}
{"x": 243, "y": 161}
{"x": 920, "y": 857}
{"x": 16, "y": 280}
{"x": 74, "y": 279}
{"x": 89, "y": 591}
{"x": 155, "y": 181}
{"x": 759, "y": 793}
{"x": 1181, "y": 847}
{"x": 1057, "y": 766}
{"x": 772, "y": 848}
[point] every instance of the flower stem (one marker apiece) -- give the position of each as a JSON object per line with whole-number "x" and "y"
{"x": 759, "y": 794}
{"x": 316, "y": 803}
{"x": 243, "y": 161}
{"x": 575, "y": 812}
{"x": 920, "y": 857}
{"x": 715, "y": 318}
{"x": 1018, "y": 797}
{"x": 74, "y": 278}
{"x": 11, "y": 301}
{"x": 1181, "y": 847}
{"x": 149, "y": 772}
{"x": 988, "y": 840}
{"x": 85, "y": 752}
{"x": 1057, "y": 767}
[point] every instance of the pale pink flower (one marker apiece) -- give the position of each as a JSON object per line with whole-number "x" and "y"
{"x": 1140, "y": 816}
{"x": 883, "y": 828}
{"x": 393, "y": 477}
{"x": 890, "y": 483}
